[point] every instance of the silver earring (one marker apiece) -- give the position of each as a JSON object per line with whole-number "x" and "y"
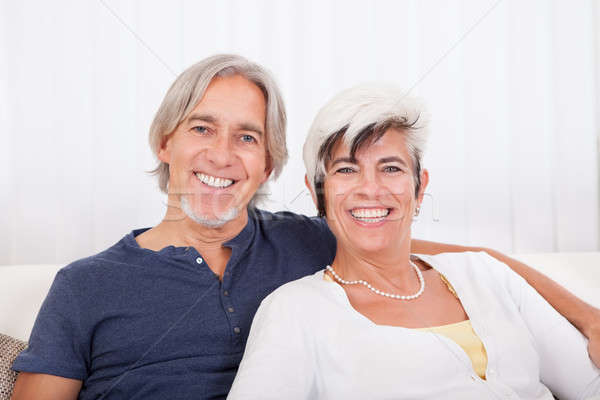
{"x": 417, "y": 211}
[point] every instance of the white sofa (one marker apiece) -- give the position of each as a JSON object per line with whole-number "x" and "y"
{"x": 24, "y": 287}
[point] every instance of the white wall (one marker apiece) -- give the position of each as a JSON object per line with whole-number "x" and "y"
{"x": 512, "y": 87}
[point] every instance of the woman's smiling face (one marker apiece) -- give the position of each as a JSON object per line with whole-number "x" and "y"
{"x": 370, "y": 200}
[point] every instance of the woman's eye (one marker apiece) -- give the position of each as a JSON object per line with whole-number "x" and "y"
{"x": 248, "y": 139}
{"x": 345, "y": 170}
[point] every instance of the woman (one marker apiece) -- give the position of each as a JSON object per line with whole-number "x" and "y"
{"x": 380, "y": 323}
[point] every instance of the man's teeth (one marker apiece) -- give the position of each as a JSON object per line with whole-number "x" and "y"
{"x": 213, "y": 180}
{"x": 370, "y": 214}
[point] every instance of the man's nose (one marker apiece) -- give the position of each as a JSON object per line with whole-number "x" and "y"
{"x": 220, "y": 154}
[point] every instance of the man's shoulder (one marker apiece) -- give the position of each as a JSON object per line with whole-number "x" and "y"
{"x": 289, "y": 222}
{"x": 114, "y": 257}
{"x": 296, "y": 233}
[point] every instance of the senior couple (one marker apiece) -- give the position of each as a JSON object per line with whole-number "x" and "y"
{"x": 368, "y": 313}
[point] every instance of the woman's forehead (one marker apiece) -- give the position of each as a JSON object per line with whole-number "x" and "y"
{"x": 391, "y": 144}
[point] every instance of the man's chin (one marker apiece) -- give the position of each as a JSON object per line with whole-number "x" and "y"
{"x": 210, "y": 221}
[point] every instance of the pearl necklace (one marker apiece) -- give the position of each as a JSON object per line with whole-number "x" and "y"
{"x": 379, "y": 292}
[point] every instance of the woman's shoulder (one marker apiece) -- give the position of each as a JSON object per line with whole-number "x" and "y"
{"x": 300, "y": 289}
{"x": 477, "y": 272}
{"x": 470, "y": 265}
{"x": 303, "y": 300}
{"x": 467, "y": 261}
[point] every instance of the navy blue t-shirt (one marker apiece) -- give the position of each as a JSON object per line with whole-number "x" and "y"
{"x": 133, "y": 323}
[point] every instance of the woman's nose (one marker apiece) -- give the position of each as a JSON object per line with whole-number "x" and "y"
{"x": 368, "y": 185}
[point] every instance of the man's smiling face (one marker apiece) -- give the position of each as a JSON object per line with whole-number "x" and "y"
{"x": 217, "y": 156}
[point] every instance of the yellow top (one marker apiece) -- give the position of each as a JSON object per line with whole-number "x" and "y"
{"x": 461, "y": 333}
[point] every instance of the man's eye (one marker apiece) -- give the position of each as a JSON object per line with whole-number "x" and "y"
{"x": 200, "y": 129}
{"x": 391, "y": 168}
{"x": 345, "y": 170}
{"x": 248, "y": 139}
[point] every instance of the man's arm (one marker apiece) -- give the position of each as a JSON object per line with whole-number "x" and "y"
{"x": 54, "y": 364}
{"x": 45, "y": 387}
{"x": 583, "y": 316}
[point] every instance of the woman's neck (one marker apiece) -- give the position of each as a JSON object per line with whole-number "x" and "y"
{"x": 386, "y": 270}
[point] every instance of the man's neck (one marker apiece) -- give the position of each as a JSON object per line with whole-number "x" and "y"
{"x": 177, "y": 229}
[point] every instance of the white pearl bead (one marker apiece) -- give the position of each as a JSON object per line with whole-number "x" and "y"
{"x": 379, "y": 292}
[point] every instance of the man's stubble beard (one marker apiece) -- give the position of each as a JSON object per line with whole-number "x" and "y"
{"x": 211, "y": 222}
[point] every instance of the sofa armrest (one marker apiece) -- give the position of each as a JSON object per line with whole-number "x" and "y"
{"x": 9, "y": 350}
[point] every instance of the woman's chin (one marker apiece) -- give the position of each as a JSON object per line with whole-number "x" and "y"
{"x": 370, "y": 246}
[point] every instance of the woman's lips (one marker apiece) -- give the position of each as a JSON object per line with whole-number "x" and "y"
{"x": 370, "y": 215}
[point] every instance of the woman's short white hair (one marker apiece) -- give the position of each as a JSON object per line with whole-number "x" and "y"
{"x": 358, "y": 116}
{"x": 187, "y": 91}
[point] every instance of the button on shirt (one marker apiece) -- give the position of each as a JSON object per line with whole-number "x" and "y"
{"x": 139, "y": 324}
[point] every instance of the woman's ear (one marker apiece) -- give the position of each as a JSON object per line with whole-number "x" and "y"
{"x": 424, "y": 182}
{"x": 311, "y": 190}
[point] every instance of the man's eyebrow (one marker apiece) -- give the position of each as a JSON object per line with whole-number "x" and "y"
{"x": 251, "y": 127}
{"x": 244, "y": 126}
{"x": 202, "y": 117}
{"x": 392, "y": 159}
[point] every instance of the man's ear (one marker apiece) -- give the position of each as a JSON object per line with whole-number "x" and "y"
{"x": 312, "y": 192}
{"x": 164, "y": 152}
{"x": 268, "y": 169}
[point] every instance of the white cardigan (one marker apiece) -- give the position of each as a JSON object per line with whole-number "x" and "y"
{"x": 307, "y": 342}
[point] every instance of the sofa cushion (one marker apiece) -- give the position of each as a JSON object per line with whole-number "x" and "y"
{"x": 9, "y": 349}
{"x": 577, "y": 272}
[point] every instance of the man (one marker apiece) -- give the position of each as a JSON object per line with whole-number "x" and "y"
{"x": 165, "y": 312}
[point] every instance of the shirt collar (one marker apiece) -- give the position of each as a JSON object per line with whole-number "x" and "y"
{"x": 245, "y": 238}
{"x": 239, "y": 244}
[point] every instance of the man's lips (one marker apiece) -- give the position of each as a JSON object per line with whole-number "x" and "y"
{"x": 214, "y": 181}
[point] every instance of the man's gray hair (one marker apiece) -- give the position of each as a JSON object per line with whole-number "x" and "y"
{"x": 187, "y": 91}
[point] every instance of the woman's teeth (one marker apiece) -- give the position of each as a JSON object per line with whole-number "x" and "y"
{"x": 370, "y": 214}
{"x": 214, "y": 181}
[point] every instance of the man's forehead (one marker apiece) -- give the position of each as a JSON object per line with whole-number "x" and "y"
{"x": 231, "y": 99}
{"x": 233, "y": 88}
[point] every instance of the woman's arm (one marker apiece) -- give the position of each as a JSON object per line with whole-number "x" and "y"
{"x": 563, "y": 361}
{"x": 582, "y": 315}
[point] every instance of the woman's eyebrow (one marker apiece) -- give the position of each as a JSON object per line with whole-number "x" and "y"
{"x": 340, "y": 160}
{"x": 392, "y": 159}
